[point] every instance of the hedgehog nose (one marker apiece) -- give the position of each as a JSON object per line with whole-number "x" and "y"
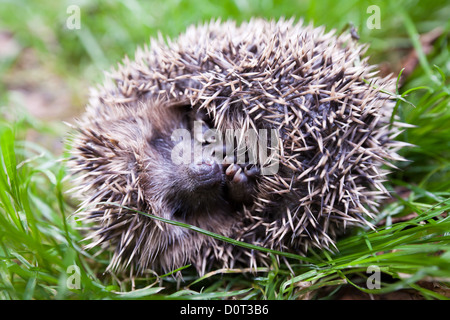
{"x": 206, "y": 174}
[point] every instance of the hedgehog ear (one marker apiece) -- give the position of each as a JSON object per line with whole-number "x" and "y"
{"x": 163, "y": 116}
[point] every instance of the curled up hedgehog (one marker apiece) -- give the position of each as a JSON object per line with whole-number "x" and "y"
{"x": 270, "y": 132}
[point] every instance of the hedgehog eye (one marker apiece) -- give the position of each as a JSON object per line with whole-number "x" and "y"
{"x": 198, "y": 122}
{"x": 205, "y": 117}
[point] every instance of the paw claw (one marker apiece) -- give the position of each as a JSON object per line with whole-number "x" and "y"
{"x": 240, "y": 180}
{"x": 240, "y": 177}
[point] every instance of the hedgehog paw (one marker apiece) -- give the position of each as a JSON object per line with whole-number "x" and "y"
{"x": 240, "y": 180}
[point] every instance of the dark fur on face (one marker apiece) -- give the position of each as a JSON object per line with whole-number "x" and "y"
{"x": 314, "y": 89}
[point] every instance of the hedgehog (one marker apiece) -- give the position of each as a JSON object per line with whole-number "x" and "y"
{"x": 306, "y": 97}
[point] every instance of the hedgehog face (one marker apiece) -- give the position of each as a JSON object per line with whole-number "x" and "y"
{"x": 191, "y": 187}
{"x": 186, "y": 188}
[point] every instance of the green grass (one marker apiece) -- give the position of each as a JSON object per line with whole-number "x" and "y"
{"x": 40, "y": 240}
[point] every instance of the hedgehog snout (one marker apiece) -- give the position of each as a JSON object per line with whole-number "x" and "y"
{"x": 206, "y": 174}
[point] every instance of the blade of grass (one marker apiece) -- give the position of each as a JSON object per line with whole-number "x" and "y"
{"x": 214, "y": 235}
